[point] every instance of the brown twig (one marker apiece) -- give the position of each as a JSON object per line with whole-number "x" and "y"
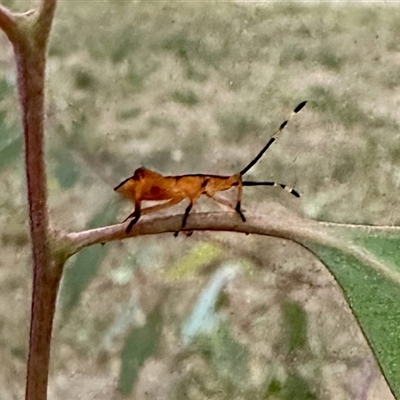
{"x": 277, "y": 222}
{"x": 291, "y": 227}
{"x": 8, "y": 24}
{"x": 44, "y": 21}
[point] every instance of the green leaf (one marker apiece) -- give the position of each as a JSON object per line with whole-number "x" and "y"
{"x": 367, "y": 267}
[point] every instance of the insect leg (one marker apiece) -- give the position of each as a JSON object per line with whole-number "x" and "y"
{"x": 222, "y": 201}
{"x": 186, "y": 215}
{"x": 138, "y": 212}
{"x": 129, "y": 217}
{"x": 239, "y": 200}
{"x": 158, "y": 207}
{"x": 136, "y": 215}
{"x": 187, "y": 211}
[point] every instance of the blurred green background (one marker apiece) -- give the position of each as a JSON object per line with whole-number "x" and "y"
{"x": 200, "y": 87}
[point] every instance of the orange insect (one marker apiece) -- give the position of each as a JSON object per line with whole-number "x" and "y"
{"x": 147, "y": 185}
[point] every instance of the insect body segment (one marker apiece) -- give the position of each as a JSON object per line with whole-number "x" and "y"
{"x": 148, "y": 185}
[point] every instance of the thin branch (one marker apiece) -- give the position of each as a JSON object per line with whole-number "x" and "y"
{"x": 277, "y": 222}
{"x": 46, "y": 11}
{"x": 8, "y": 24}
{"x": 155, "y": 224}
{"x": 29, "y": 32}
{"x": 44, "y": 296}
{"x": 31, "y": 70}
{"x": 44, "y": 21}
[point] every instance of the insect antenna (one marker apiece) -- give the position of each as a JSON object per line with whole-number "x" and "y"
{"x": 285, "y": 187}
{"x": 273, "y": 138}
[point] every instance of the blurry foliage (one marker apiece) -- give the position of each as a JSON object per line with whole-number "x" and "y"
{"x": 227, "y": 367}
{"x": 229, "y": 375}
{"x": 139, "y": 345}
{"x": 326, "y": 101}
{"x": 84, "y": 80}
{"x": 236, "y": 72}
{"x": 237, "y": 128}
{"x": 198, "y": 256}
{"x": 66, "y": 171}
{"x": 296, "y": 324}
{"x": 10, "y": 139}
{"x": 391, "y": 78}
{"x": 297, "y": 388}
{"x": 328, "y": 58}
{"x": 129, "y": 113}
{"x": 14, "y": 237}
{"x": 292, "y": 54}
{"x": 83, "y": 267}
{"x": 10, "y": 150}
{"x": 179, "y": 88}
{"x": 187, "y": 98}
{"x": 222, "y": 352}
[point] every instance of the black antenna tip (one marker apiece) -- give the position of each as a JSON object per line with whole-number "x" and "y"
{"x": 300, "y": 107}
{"x": 294, "y": 193}
{"x": 283, "y": 125}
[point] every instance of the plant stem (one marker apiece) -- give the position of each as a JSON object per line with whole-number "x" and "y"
{"x": 8, "y": 24}
{"x": 30, "y": 62}
{"x": 28, "y": 34}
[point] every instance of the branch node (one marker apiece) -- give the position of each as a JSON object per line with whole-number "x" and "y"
{"x": 8, "y": 24}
